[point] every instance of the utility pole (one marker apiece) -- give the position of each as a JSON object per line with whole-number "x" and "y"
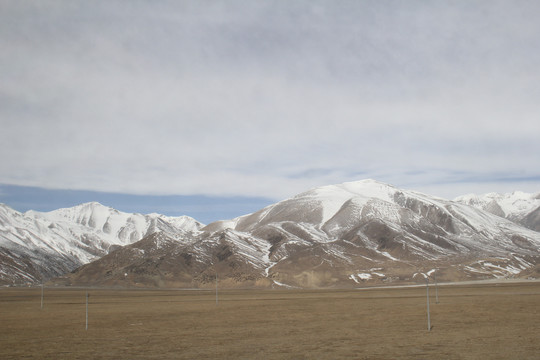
{"x": 436, "y": 290}
{"x": 42, "y": 294}
{"x": 427, "y": 293}
{"x": 216, "y": 289}
{"x": 86, "y": 309}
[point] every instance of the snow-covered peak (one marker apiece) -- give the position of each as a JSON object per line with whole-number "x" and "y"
{"x": 110, "y": 220}
{"x": 469, "y": 199}
{"x": 347, "y": 201}
{"x": 60, "y": 240}
{"x": 366, "y": 188}
{"x": 93, "y": 215}
{"x": 2, "y": 205}
{"x": 184, "y": 222}
{"x": 5, "y": 209}
{"x": 370, "y": 188}
{"x": 331, "y": 198}
{"x": 515, "y": 204}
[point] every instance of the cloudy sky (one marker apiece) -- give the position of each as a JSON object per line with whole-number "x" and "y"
{"x": 236, "y": 104}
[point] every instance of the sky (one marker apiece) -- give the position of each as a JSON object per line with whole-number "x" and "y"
{"x": 218, "y": 108}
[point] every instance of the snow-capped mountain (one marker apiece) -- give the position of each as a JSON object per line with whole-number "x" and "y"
{"x": 338, "y": 235}
{"x": 522, "y": 208}
{"x": 40, "y": 245}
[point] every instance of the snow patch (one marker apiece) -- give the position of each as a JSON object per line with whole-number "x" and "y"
{"x": 284, "y": 285}
{"x": 364, "y": 276}
{"x": 388, "y": 255}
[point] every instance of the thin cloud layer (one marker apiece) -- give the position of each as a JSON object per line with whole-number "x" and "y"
{"x": 269, "y": 98}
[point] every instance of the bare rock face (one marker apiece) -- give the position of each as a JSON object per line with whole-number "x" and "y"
{"x": 344, "y": 235}
{"x": 161, "y": 261}
{"x": 532, "y": 220}
{"x": 494, "y": 208}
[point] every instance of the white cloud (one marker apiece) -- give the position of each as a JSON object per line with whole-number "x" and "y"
{"x": 268, "y": 98}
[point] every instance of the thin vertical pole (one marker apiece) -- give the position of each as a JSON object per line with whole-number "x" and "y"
{"x": 42, "y": 294}
{"x": 216, "y": 289}
{"x": 427, "y": 293}
{"x": 86, "y": 309}
{"x": 436, "y": 290}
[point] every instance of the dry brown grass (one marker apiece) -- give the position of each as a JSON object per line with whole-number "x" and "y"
{"x": 470, "y": 322}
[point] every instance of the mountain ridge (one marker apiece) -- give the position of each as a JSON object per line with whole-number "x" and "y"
{"x": 338, "y": 236}
{"x": 331, "y": 236}
{"x": 58, "y": 241}
{"x": 518, "y": 206}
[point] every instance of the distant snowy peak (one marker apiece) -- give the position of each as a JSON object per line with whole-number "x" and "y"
{"x": 93, "y": 215}
{"x": 116, "y": 224}
{"x": 184, "y": 222}
{"x": 515, "y": 205}
{"x": 55, "y": 242}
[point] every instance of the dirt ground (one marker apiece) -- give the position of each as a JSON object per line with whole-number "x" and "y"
{"x": 481, "y": 321}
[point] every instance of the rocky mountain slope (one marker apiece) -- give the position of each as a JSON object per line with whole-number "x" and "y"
{"x": 36, "y": 245}
{"x": 332, "y": 236}
{"x": 520, "y": 207}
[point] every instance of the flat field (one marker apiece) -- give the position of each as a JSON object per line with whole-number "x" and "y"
{"x": 481, "y": 321}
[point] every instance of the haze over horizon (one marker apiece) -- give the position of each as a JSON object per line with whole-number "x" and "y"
{"x": 228, "y": 106}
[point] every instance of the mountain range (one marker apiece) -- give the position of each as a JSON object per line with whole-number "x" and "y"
{"x": 520, "y": 207}
{"x": 36, "y": 246}
{"x": 344, "y": 235}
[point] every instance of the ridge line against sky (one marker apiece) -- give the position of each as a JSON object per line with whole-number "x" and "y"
{"x": 205, "y": 209}
{"x": 264, "y": 100}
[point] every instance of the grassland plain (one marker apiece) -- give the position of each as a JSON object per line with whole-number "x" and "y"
{"x": 479, "y": 321}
